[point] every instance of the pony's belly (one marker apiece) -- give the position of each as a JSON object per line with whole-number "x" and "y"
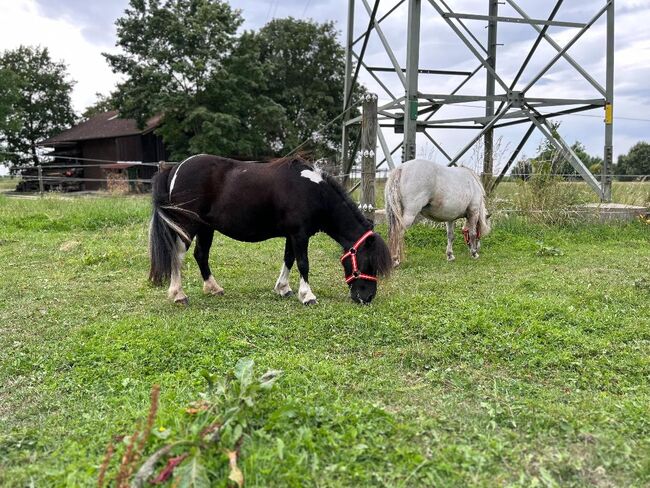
{"x": 247, "y": 234}
{"x": 442, "y": 213}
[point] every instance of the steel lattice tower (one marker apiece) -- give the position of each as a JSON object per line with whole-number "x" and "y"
{"x": 506, "y": 101}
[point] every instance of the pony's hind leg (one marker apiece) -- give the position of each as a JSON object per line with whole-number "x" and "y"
{"x": 175, "y": 291}
{"x": 282, "y": 287}
{"x": 408, "y": 217}
{"x": 450, "y": 241}
{"x": 201, "y": 254}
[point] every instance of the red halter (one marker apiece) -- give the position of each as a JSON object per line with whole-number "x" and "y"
{"x": 466, "y": 234}
{"x": 352, "y": 254}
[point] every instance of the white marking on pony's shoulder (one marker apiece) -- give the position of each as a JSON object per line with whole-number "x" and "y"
{"x": 313, "y": 175}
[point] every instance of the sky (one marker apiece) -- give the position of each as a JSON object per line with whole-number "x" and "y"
{"x": 78, "y": 31}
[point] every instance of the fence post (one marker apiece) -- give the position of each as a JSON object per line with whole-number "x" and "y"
{"x": 40, "y": 180}
{"x": 368, "y": 156}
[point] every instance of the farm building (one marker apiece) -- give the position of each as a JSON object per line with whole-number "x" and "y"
{"x": 109, "y": 148}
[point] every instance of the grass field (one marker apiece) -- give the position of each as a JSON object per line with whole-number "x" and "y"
{"x": 528, "y": 367}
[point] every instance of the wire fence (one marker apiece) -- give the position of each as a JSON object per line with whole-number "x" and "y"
{"x": 135, "y": 176}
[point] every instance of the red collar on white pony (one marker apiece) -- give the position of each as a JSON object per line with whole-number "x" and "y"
{"x": 352, "y": 254}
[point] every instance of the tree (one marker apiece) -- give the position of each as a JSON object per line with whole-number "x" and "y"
{"x": 549, "y": 159}
{"x": 42, "y": 106}
{"x": 635, "y": 162}
{"x": 523, "y": 169}
{"x": 593, "y": 163}
{"x": 173, "y": 51}
{"x": 8, "y": 98}
{"x": 249, "y": 96}
{"x": 305, "y": 69}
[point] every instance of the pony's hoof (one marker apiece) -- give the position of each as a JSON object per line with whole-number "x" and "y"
{"x": 287, "y": 294}
{"x": 215, "y": 293}
{"x": 183, "y": 302}
{"x": 313, "y": 301}
{"x": 451, "y": 257}
{"x": 475, "y": 255}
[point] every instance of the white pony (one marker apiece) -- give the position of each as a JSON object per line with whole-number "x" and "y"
{"x": 440, "y": 193}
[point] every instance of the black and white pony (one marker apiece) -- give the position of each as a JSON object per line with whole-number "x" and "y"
{"x": 252, "y": 202}
{"x": 437, "y": 192}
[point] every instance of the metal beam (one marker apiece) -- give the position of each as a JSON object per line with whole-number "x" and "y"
{"x": 606, "y": 175}
{"x": 381, "y": 19}
{"x": 465, "y": 28}
{"x": 513, "y": 156}
{"x": 387, "y": 47}
{"x": 557, "y": 47}
{"x": 532, "y": 50}
{"x": 565, "y": 151}
{"x": 488, "y": 139}
{"x": 347, "y": 87}
{"x": 515, "y": 20}
{"x": 469, "y": 46}
{"x": 384, "y": 148}
{"x": 375, "y": 77}
{"x": 363, "y": 49}
{"x": 549, "y": 115}
{"x": 412, "y": 66}
{"x": 573, "y": 40}
{"x": 422, "y": 71}
{"x": 438, "y": 146}
{"x": 487, "y": 127}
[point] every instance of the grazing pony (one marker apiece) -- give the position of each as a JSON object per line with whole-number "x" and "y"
{"x": 440, "y": 193}
{"x": 252, "y": 202}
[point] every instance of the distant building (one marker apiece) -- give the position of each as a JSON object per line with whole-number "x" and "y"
{"x": 109, "y": 147}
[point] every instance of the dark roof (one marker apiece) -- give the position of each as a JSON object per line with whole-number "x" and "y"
{"x": 102, "y": 126}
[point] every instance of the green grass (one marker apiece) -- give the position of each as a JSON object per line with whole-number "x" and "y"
{"x": 515, "y": 369}
{"x": 628, "y": 192}
{"x": 7, "y": 183}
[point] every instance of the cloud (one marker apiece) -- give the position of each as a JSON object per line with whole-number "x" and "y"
{"x": 23, "y": 22}
{"x": 77, "y": 31}
{"x": 96, "y": 19}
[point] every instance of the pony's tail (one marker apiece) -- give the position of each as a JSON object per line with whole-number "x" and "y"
{"x": 393, "y": 202}
{"x": 163, "y": 232}
{"x": 483, "y": 224}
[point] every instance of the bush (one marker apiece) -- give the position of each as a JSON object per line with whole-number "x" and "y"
{"x": 205, "y": 445}
{"x": 545, "y": 198}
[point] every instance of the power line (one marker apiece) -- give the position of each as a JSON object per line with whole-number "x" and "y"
{"x": 306, "y": 7}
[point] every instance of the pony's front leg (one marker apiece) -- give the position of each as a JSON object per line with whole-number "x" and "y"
{"x": 450, "y": 241}
{"x": 175, "y": 291}
{"x": 473, "y": 243}
{"x": 282, "y": 287}
{"x": 300, "y": 246}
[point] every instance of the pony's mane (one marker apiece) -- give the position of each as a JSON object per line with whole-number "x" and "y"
{"x": 380, "y": 254}
{"x": 300, "y": 160}
{"x": 296, "y": 159}
{"x": 345, "y": 196}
